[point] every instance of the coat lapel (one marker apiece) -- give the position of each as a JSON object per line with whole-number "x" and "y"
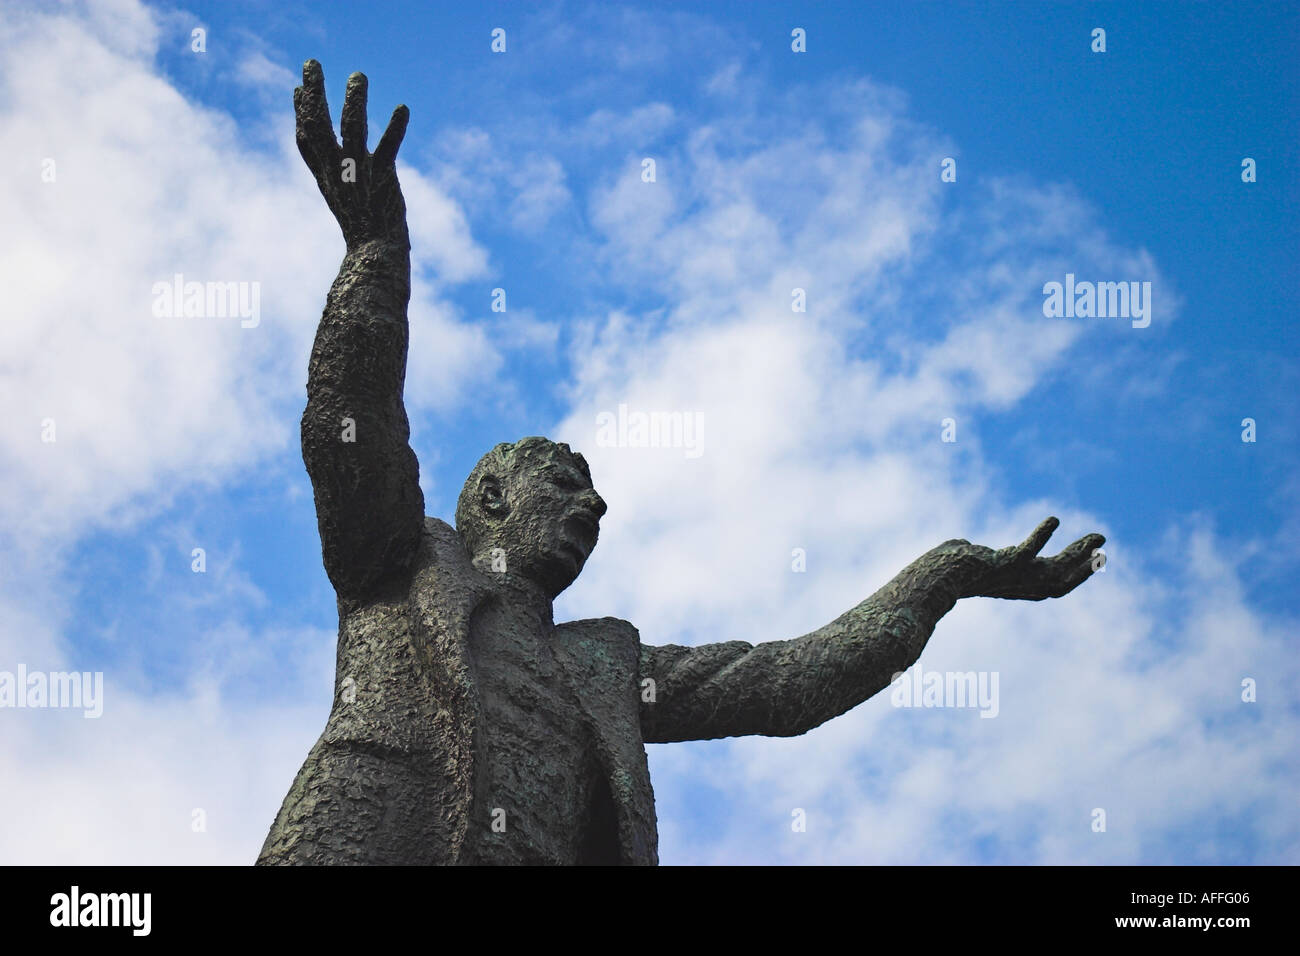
{"x": 601, "y": 658}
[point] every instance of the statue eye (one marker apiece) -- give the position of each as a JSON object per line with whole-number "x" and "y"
{"x": 563, "y": 482}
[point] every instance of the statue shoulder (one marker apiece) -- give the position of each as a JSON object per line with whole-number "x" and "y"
{"x": 597, "y": 650}
{"x": 613, "y": 627}
{"x": 442, "y": 544}
{"x": 437, "y": 528}
{"x": 602, "y": 630}
{"x": 443, "y": 563}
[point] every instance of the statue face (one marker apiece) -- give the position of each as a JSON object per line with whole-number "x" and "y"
{"x": 543, "y": 514}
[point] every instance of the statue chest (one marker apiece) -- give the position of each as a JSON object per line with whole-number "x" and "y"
{"x": 536, "y": 784}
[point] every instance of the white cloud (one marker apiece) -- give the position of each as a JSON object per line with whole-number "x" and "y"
{"x": 539, "y": 193}
{"x": 147, "y": 184}
{"x": 258, "y": 70}
{"x": 822, "y": 433}
{"x": 641, "y": 126}
{"x": 142, "y": 190}
{"x": 478, "y": 170}
{"x": 723, "y": 82}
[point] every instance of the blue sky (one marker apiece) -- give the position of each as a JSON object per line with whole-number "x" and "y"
{"x": 1145, "y": 133}
{"x": 775, "y": 169}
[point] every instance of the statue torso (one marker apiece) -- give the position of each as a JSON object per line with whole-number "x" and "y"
{"x": 536, "y": 783}
{"x": 452, "y": 701}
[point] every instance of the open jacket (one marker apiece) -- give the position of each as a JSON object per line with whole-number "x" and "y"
{"x": 392, "y": 777}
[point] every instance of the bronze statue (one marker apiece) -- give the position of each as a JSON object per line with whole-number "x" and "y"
{"x": 467, "y": 726}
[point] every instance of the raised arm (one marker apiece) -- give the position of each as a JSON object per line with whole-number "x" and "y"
{"x": 785, "y": 688}
{"x": 355, "y": 433}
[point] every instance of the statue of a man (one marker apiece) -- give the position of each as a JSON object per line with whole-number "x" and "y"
{"x": 467, "y": 726}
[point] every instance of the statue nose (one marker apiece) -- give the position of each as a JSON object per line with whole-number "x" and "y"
{"x": 594, "y": 503}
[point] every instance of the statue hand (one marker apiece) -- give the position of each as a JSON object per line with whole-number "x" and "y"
{"x": 361, "y": 188}
{"x": 1018, "y": 573}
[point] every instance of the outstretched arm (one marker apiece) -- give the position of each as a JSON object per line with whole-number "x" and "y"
{"x": 355, "y": 433}
{"x": 785, "y": 688}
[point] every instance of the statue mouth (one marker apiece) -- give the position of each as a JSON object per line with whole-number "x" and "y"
{"x": 582, "y": 528}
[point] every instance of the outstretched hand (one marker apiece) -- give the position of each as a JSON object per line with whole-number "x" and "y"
{"x": 361, "y": 188}
{"x": 1018, "y": 573}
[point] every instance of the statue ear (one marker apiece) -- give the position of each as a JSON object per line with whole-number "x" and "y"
{"x": 491, "y": 497}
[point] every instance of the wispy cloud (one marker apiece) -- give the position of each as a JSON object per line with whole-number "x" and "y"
{"x": 821, "y": 432}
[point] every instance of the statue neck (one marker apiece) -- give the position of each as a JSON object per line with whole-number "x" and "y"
{"x": 530, "y": 594}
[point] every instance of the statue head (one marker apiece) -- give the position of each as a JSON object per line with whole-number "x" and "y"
{"x": 529, "y": 508}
